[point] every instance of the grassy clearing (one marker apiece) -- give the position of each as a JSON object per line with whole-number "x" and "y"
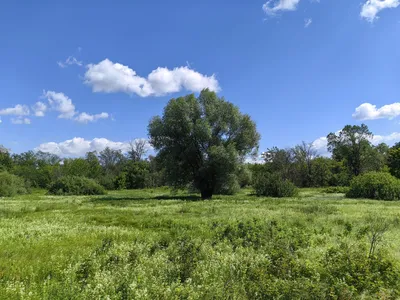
{"x": 151, "y": 244}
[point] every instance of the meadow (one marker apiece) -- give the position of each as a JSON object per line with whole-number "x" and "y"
{"x": 157, "y": 244}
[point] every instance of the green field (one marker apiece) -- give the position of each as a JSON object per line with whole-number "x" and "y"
{"x": 152, "y": 244}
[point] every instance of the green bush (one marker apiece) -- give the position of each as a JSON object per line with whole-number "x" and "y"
{"x": 228, "y": 185}
{"x": 244, "y": 176}
{"x": 336, "y": 190}
{"x": 11, "y": 185}
{"x": 107, "y": 181}
{"x": 120, "y": 181}
{"x": 75, "y": 185}
{"x": 272, "y": 185}
{"x": 375, "y": 185}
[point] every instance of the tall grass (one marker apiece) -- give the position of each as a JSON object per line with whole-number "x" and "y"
{"x": 132, "y": 245}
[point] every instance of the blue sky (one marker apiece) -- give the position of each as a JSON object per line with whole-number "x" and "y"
{"x": 100, "y": 70}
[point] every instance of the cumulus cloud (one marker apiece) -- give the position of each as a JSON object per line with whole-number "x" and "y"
{"x": 17, "y": 110}
{"x": 68, "y": 62}
{"x": 79, "y": 146}
{"x": 63, "y": 104}
{"x": 86, "y": 118}
{"x": 272, "y": 7}
{"x": 60, "y": 103}
{"x": 321, "y": 146}
{"x": 368, "y": 111}
{"x": 388, "y": 139}
{"x": 20, "y": 121}
{"x": 109, "y": 77}
{"x": 39, "y": 109}
{"x": 371, "y": 8}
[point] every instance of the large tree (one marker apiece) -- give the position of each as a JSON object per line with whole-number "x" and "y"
{"x": 201, "y": 141}
{"x": 394, "y": 160}
{"x": 352, "y": 145}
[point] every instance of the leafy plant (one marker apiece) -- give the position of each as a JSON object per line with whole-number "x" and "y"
{"x": 75, "y": 185}
{"x": 11, "y": 185}
{"x": 336, "y": 190}
{"x": 375, "y": 185}
{"x": 272, "y": 185}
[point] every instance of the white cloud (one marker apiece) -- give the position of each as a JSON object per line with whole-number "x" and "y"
{"x": 18, "y": 110}
{"x": 20, "y": 121}
{"x": 388, "y": 139}
{"x": 86, "y": 118}
{"x": 109, "y": 77}
{"x": 368, "y": 111}
{"x": 320, "y": 145}
{"x": 371, "y": 8}
{"x": 79, "y": 146}
{"x": 272, "y": 7}
{"x": 61, "y": 103}
{"x": 39, "y": 109}
{"x": 68, "y": 62}
{"x": 307, "y": 22}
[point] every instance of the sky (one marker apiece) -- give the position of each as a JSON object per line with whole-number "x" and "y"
{"x": 80, "y": 76}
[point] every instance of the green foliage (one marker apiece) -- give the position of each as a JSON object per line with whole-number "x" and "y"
{"x": 394, "y": 161}
{"x": 128, "y": 245}
{"x": 11, "y": 185}
{"x": 244, "y": 176}
{"x": 75, "y": 185}
{"x": 351, "y": 145}
{"x": 37, "y": 168}
{"x": 229, "y": 185}
{"x": 138, "y": 175}
{"x": 272, "y": 185}
{"x": 120, "y": 181}
{"x": 6, "y": 161}
{"x": 107, "y": 181}
{"x": 200, "y": 140}
{"x": 76, "y": 167}
{"x": 375, "y": 185}
{"x": 337, "y": 189}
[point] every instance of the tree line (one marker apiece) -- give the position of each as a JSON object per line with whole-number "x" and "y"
{"x": 203, "y": 143}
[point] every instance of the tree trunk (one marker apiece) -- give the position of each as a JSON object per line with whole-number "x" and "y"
{"x": 206, "y": 194}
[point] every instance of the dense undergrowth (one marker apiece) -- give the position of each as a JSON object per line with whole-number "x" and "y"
{"x": 130, "y": 245}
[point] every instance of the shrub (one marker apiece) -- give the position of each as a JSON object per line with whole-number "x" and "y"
{"x": 107, "y": 181}
{"x": 228, "y": 185}
{"x": 272, "y": 185}
{"x": 375, "y": 185}
{"x": 11, "y": 185}
{"x": 244, "y": 176}
{"x": 336, "y": 190}
{"x": 120, "y": 181}
{"x": 75, "y": 185}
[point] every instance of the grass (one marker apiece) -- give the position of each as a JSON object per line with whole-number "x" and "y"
{"x": 152, "y": 244}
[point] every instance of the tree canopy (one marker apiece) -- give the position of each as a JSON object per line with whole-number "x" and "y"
{"x": 202, "y": 140}
{"x": 351, "y": 144}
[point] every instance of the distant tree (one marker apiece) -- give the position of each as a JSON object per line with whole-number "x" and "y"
{"x": 201, "y": 140}
{"x": 44, "y": 158}
{"x": 138, "y": 149}
{"x": 351, "y": 145}
{"x": 394, "y": 160}
{"x": 279, "y": 161}
{"x": 76, "y": 167}
{"x": 94, "y": 166}
{"x": 376, "y": 158}
{"x": 304, "y": 154}
{"x": 112, "y": 160}
{"x": 137, "y": 174}
{"x": 6, "y": 161}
